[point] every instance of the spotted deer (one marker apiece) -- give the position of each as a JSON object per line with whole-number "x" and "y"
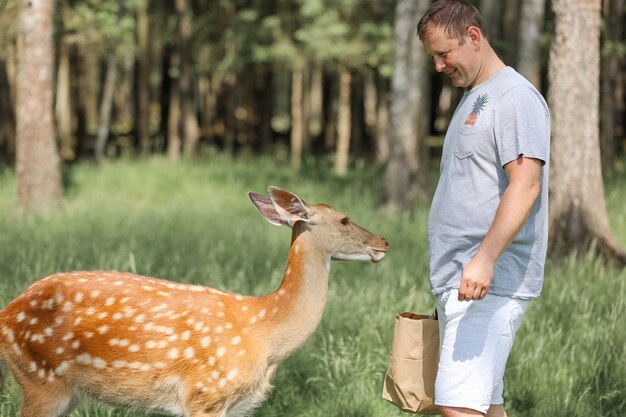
{"x": 161, "y": 346}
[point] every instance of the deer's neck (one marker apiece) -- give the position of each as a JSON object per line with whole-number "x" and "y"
{"x": 301, "y": 297}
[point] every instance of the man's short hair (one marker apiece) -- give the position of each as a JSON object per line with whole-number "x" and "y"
{"x": 455, "y": 16}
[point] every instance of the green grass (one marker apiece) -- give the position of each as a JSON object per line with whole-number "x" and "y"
{"x": 192, "y": 222}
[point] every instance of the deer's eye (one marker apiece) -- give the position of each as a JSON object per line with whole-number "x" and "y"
{"x": 345, "y": 221}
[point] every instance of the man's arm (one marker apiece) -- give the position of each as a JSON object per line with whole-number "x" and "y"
{"x": 524, "y": 176}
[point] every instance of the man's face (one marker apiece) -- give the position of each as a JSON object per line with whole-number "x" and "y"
{"x": 458, "y": 61}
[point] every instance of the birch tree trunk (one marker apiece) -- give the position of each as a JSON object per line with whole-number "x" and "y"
{"x": 37, "y": 157}
{"x": 578, "y": 213}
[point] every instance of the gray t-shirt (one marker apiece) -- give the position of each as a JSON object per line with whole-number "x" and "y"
{"x": 494, "y": 124}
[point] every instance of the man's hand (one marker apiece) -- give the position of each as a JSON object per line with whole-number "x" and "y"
{"x": 476, "y": 279}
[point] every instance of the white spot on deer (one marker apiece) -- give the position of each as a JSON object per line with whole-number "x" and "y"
{"x": 244, "y": 308}
{"x": 103, "y": 329}
{"x": 232, "y": 374}
{"x": 88, "y": 335}
{"x": 222, "y": 383}
{"x": 220, "y": 352}
{"x": 34, "y": 303}
{"x": 95, "y": 293}
{"x": 8, "y": 333}
{"x": 211, "y": 361}
{"x": 118, "y": 283}
{"x": 77, "y": 320}
{"x": 124, "y": 300}
{"x": 102, "y": 315}
{"x": 109, "y": 301}
{"x": 41, "y": 373}
{"x": 90, "y": 311}
{"x": 64, "y": 366}
{"x": 205, "y": 341}
{"x": 68, "y": 336}
{"x": 16, "y": 348}
{"x": 117, "y": 316}
{"x": 189, "y": 353}
{"x": 59, "y": 350}
{"x": 119, "y": 364}
{"x": 78, "y": 298}
{"x": 236, "y": 340}
{"x": 140, "y": 318}
{"x": 160, "y": 307}
{"x": 75, "y": 344}
{"x": 219, "y": 329}
{"x": 163, "y": 293}
{"x": 185, "y": 335}
{"x": 34, "y": 320}
{"x": 32, "y": 367}
{"x": 134, "y": 347}
{"x": 21, "y": 316}
{"x": 198, "y": 326}
{"x": 84, "y": 359}
{"x": 173, "y": 354}
{"x": 147, "y": 288}
{"x": 99, "y": 363}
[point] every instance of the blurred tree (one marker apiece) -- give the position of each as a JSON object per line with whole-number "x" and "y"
{"x": 529, "y": 51}
{"x": 612, "y": 88}
{"x": 578, "y": 213}
{"x": 405, "y": 173}
{"x": 38, "y": 166}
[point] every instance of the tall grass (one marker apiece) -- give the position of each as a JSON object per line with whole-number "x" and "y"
{"x": 192, "y": 222}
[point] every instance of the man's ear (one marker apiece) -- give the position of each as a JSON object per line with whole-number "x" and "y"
{"x": 475, "y": 35}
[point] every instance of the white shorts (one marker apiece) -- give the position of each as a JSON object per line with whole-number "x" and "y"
{"x": 476, "y": 339}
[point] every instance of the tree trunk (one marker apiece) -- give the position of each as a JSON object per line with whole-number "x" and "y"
{"x": 106, "y": 106}
{"x": 190, "y": 129}
{"x": 174, "y": 140}
{"x": 529, "y": 51}
{"x": 382, "y": 121}
{"x": 142, "y": 83}
{"x": 316, "y": 116}
{"x": 612, "y": 84}
{"x": 409, "y": 92}
{"x": 38, "y": 165}
{"x": 343, "y": 126}
{"x": 7, "y": 118}
{"x": 63, "y": 106}
{"x": 297, "y": 131}
{"x": 578, "y": 213}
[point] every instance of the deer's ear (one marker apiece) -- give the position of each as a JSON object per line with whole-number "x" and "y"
{"x": 290, "y": 207}
{"x": 267, "y": 209}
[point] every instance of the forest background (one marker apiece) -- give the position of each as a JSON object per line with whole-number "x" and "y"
{"x": 151, "y": 102}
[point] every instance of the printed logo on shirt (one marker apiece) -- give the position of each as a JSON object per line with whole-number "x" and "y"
{"x": 478, "y": 106}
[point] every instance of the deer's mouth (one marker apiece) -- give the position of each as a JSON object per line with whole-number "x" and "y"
{"x": 377, "y": 255}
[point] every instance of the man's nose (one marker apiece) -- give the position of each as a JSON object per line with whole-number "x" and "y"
{"x": 439, "y": 64}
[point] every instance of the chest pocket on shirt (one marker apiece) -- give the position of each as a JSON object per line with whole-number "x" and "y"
{"x": 466, "y": 142}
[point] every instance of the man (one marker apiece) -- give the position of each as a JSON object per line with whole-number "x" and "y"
{"x": 488, "y": 221}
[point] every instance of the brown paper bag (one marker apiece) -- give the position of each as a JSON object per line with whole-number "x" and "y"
{"x": 410, "y": 379}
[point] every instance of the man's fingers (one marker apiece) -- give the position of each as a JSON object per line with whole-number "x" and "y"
{"x": 469, "y": 291}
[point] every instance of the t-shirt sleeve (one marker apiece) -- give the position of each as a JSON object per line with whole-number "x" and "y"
{"x": 522, "y": 125}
